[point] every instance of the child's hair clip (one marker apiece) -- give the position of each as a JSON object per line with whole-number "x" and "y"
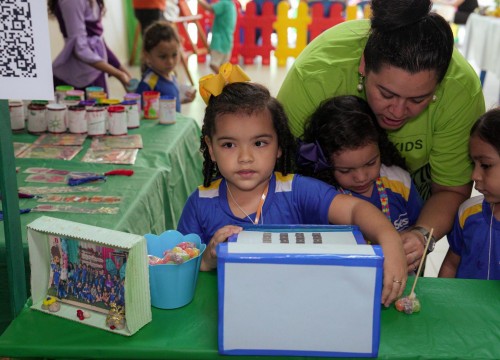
{"x": 311, "y": 155}
{"x": 213, "y": 84}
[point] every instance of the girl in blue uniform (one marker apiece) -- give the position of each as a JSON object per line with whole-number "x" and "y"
{"x": 161, "y": 52}
{"x": 248, "y": 152}
{"x": 474, "y": 251}
{"x": 344, "y": 146}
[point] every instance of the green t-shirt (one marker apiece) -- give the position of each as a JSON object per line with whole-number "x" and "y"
{"x": 434, "y": 144}
{"x": 223, "y": 26}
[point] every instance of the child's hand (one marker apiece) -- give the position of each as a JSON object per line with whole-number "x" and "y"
{"x": 209, "y": 259}
{"x": 189, "y": 96}
{"x": 395, "y": 272}
{"x": 187, "y": 92}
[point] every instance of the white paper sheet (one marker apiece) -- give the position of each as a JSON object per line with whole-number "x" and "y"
{"x": 25, "y": 61}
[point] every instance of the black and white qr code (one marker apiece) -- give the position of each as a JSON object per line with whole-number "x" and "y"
{"x": 17, "y": 46}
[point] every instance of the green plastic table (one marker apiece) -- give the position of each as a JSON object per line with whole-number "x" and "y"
{"x": 167, "y": 170}
{"x": 460, "y": 319}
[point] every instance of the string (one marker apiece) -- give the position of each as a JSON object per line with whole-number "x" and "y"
{"x": 259, "y": 208}
{"x": 382, "y": 193}
{"x": 489, "y": 249}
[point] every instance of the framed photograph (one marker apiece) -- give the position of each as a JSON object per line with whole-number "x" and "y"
{"x": 87, "y": 275}
{"x": 95, "y": 276}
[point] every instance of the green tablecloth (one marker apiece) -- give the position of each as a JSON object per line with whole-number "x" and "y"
{"x": 460, "y": 319}
{"x": 167, "y": 170}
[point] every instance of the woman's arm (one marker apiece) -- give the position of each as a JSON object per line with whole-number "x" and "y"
{"x": 438, "y": 213}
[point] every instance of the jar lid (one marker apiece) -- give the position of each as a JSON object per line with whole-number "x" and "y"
{"x": 40, "y": 102}
{"x": 64, "y": 87}
{"x": 94, "y": 88}
{"x": 116, "y": 109}
{"x": 96, "y": 108}
{"x": 129, "y": 102}
{"x": 56, "y": 107}
{"x": 167, "y": 97}
{"x": 15, "y": 103}
{"x": 75, "y": 93}
{"x": 132, "y": 96}
{"x": 72, "y": 98}
{"x": 88, "y": 102}
{"x": 110, "y": 101}
{"x": 151, "y": 93}
{"x": 78, "y": 107}
{"x": 35, "y": 106}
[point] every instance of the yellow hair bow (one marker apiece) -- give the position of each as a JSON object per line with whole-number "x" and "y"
{"x": 214, "y": 83}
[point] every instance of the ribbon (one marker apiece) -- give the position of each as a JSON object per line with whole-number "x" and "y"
{"x": 214, "y": 83}
{"x": 311, "y": 155}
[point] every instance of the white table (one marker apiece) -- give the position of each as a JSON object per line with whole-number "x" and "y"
{"x": 482, "y": 43}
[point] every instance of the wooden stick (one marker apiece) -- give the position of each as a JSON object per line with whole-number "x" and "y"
{"x": 412, "y": 294}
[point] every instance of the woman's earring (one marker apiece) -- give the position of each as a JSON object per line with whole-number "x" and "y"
{"x": 361, "y": 83}
{"x": 434, "y": 98}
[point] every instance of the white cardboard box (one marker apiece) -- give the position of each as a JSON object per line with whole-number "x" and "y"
{"x": 54, "y": 244}
{"x": 319, "y": 294}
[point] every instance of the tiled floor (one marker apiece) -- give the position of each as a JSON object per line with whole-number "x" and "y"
{"x": 272, "y": 76}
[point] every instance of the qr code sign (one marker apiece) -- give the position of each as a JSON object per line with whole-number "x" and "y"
{"x": 16, "y": 40}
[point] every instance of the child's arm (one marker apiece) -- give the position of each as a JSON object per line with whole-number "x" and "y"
{"x": 205, "y": 5}
{"x": 209, "y": 258}
{"x": 375, "y": 227}
{"x": 450, "y": 265}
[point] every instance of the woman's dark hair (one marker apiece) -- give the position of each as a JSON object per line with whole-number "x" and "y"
{"x": 157, "y": 32}
{"x": 487, "y": 127}
{"x": 346, "y": 122}
{"x": 52, "y": 5}
{"x": 246, "y": 98}
{"x": 405, "y": 34}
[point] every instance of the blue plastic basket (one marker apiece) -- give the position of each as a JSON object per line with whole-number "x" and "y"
{"x": 172, "y": 285}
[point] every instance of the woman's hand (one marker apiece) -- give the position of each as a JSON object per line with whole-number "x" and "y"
{"x": 124, "y": 78}
{"x": 209, "y": 259}
{"x": 414, "y": 249}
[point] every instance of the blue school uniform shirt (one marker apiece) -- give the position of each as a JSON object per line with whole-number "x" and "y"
{"x": 291, "y": 199}
{"x": 405, "y": 202}
{"x": 151, "y": 81}
{"x": 477, "y": 244}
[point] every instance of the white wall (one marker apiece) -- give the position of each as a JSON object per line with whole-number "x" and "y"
{"x": 114, "y": 31}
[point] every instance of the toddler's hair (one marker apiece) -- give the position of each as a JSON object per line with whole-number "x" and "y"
{"x": 346, "y": 123}
{"x": 487, "y": 127}
{"x": 246, "y": 98}
{"x": 157, "y": 32}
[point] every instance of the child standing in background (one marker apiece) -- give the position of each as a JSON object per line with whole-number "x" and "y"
{"x": 343, "y": 146}
{"x": 223, "y": 27}
{"x": 248, "y": 153}
{"x": 161, "y": 51}
{"x": 85, "y": 59}
{"x": 474, "y": 251}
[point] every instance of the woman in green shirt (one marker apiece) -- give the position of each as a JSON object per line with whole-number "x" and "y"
{"x": 421, "y": 89}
